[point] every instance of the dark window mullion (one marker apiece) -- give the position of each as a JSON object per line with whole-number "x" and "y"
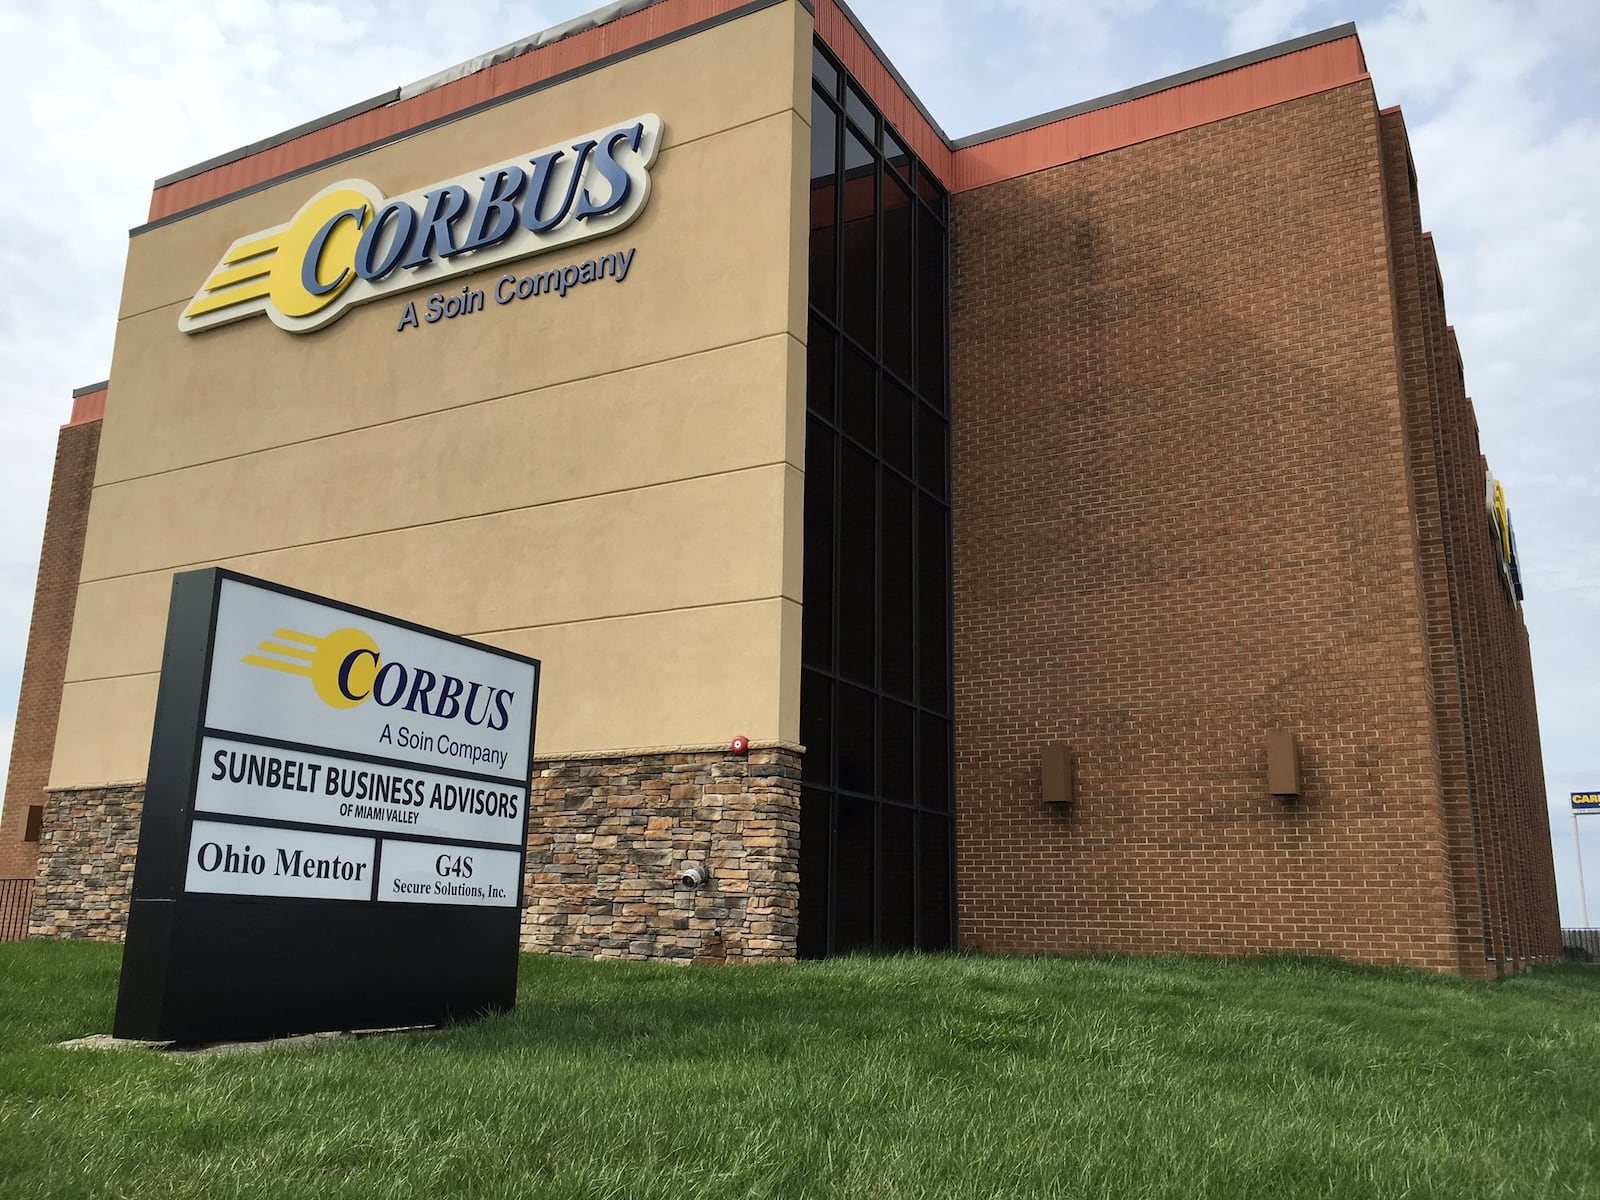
{"x": 877, "y": 498}
{"x": 838, "y": 216}
{"x": 877, "y": 591}
{"x": 897, "y": 473}
{"x": 947, "y": 830}
{"x": 836, "y": 535}
{"x": 877, "y": 875}
{"x": 916, "y": 310}
{"x": 945, "y": 407}
{"x": 916, "y": 618}
{"x": 832, "y": 918}
{"x": 926, "y": 413}
{"x": 916, "y": 635}
{"x": 917, "y": 820}
{"x": 877, "y": 257}
{"x": 863, "y": 796}
{"x": 896, "y": 376}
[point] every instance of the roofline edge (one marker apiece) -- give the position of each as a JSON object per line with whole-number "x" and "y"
{"x": 1222, "y": 67}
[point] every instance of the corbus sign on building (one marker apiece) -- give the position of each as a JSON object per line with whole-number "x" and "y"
{"x": 349, "y": 244}
{"x": 1505, "y": 538}
{"x": 335, "y": 820}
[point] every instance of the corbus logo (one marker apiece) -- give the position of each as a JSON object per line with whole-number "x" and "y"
{"x": 346, "y": 669}
{"x": 348, "y": 245}
{"x": 1505, "y": 538}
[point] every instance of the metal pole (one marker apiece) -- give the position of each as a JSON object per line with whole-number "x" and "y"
{"x": 1583, "y": 900}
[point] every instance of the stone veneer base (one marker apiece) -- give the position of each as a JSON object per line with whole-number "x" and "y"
{"x": 87, "y": 845}
{"x": 608, "y": 838}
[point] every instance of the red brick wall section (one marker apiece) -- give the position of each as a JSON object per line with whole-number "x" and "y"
{"x": 1183, "y": 516}
{"x": 1539, "y": 865}
{"x": 1507, "y": 772}
{"x": 1436, "y": 512}
{"x": 1496, "y": 824}
{"x": 44, "y": 667}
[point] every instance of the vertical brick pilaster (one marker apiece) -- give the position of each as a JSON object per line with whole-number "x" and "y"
{"x": 1436, "y": 517}
{"x": 55, "y": 599}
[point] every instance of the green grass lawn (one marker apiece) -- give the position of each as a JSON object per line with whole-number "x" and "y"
{"x": 863, "y": 1077}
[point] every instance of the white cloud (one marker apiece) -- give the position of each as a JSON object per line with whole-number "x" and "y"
{"x": 112, "y": 95}
{"x": 1262, "y": 22}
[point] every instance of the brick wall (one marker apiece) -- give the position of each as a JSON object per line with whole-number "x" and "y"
{"x": 1182, "y": 517}
{"x": 1505, "y": 775}
{"x": 1496, "y": 825}
{"x": 1436, "y": 513}
{"x": 55, "y": 598}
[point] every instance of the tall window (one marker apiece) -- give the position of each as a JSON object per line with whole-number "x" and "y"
{"x": 876, "y": 849}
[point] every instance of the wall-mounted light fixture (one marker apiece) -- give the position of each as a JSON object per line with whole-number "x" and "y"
{"x": 1283, "y": 763}
{"x": 1056, "y": 774}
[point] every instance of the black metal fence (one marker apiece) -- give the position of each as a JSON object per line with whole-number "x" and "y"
{"x": 16, "y": 902}
{"x": 1580, "y": 945}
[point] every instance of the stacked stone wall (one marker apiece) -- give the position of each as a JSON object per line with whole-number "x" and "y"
{"x": 610, "y": 837}
{"x": 608, "y": 841}
{"x": 87, "y": 849}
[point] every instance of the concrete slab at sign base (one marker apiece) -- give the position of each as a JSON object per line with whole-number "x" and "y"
{"x": 104, "y": 1041}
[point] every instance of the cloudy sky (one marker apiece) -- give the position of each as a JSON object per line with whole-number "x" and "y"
{"x": 1502, "y": 101}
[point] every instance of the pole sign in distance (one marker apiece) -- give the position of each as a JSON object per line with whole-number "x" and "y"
{"x": 335, "y": 821}
{"x": 1582, "y": 802}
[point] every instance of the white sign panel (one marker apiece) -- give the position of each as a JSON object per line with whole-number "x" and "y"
{"x": 419, "y": 873}
{"x": 256, "y": 860}
{"x": 294, "y": 670}
{"x": 245, "y": 780}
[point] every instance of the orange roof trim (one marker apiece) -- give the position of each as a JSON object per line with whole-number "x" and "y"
{"x": 840, "y": 32}
{"x": 88, "y": 404}
{"x": 1228, "y": 89}
{"x": 375, "y": 125}
{"x": 1187, "y": 105}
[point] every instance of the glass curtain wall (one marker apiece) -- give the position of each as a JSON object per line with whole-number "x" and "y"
{"x": 876, "y": 845}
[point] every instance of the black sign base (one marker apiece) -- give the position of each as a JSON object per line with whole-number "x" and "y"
{"x": 223, "y": 968}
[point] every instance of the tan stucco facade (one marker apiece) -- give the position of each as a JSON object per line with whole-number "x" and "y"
{"x": 610, "y": 481}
